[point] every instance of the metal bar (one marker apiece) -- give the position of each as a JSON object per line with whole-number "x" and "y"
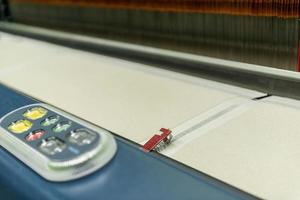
{"x": 264, "y": 79}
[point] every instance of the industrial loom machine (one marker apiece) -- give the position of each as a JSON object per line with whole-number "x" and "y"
{"x": 140, "y": 99}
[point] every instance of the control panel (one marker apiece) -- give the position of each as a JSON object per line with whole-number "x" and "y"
{"x": 55, "y": 144}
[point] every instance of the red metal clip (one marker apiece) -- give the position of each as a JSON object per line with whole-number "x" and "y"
{"x": 157, "y": 142}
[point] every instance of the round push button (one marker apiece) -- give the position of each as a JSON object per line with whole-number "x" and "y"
{"x": 50, "y": 120}
{"x": 35, "y": 113}
{"x": 81, "y": 137}
{"x": 52, "y": 146}
{"x": 20, "y": 126}
{"x": 63, "y": 126}
{"x": 34, "y": 135}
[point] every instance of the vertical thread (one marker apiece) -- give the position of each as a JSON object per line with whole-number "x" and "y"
{"x": 298, "y": 68}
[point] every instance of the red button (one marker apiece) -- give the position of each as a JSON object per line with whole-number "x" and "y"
{"x": 34, "y": 135}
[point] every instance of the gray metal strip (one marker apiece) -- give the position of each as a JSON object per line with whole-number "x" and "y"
{"x": 263, "y": 79}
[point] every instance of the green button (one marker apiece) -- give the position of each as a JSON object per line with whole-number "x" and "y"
{"x": 50, "y": 121}
{"x": 60, "y": 127}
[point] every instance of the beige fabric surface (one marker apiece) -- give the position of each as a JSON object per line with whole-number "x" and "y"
{"x": 17, "y": 51}
{"x": 130, "y": 99}
{"x": 258, "y": 151}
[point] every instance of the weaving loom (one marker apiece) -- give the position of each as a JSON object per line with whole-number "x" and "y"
{"x": 164, "y": 99}
{"x": 258, "y": 32}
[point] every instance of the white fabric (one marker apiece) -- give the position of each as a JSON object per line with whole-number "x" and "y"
{"x": 258, "y": 151}
{"x": 130, "y": 99}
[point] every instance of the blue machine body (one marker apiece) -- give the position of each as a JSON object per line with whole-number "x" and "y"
{"x": 131, "y": 175}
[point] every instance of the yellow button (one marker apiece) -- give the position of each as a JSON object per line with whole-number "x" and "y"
{"x": 20, "y": 126}
{"x": 35, "y": 113}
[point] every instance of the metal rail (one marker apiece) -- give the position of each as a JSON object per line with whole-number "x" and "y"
{"x": 264, "y": 79}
